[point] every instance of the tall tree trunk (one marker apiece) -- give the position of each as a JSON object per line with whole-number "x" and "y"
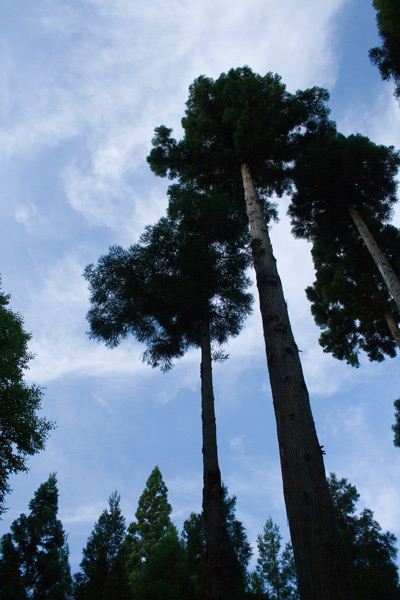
{"x": 217, "y": 568}
{"x": 320, "y": 563}
{"x": 393, "y": 326}
{"x": 380, "y": 259}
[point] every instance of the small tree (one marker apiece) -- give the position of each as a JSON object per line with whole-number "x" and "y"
{"x": 275, "y": 573}
{"x": 103, "y": 575}
{"x": 153, "y": 522}
{"x": 37, "y": 548}
{"x": 22, "y": 432}
{"x": 387, "y": 56}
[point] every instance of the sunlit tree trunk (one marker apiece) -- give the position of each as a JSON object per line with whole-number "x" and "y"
{"x": 320, "y": 564}
{"x": 393, "y": 326}
{"x": 380, "y": 259}
{"x": 217, "y": 569}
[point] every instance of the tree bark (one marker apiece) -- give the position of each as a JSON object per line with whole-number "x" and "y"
{"x": 393, "y": 326}
{"x": 320, "y": 563}
{"x": 380, "y": 259}
{"x": 217, "y": 568}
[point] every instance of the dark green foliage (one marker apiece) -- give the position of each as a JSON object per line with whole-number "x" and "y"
{"x": 349, "y": 299}
{"x": 239, "y": 550}
{"x": 155, "y": 558}
{"x": 239, "y": 117}
{"x": 38, "y": 550}
{"x": 275, "y": 576}
{"x": 11, "y": 584}
{"x": 370, "y": 552}
{"x": 387, "y": 56}
{"x": 396, "y": 426}
{"x": 332, "y": 172}
{"x": 22, "y": 432}
{"x": 165, "y": 574}
{"x": 151, "y": 525}
{"x": 183, "y": 269}
{"x": 103, "y": 574}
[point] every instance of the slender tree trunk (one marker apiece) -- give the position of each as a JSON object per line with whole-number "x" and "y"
{"x": 393, "y": 326}
{"x": 388, "y": 275}
{"x": 320, "y": 564}
{"x": 217, "y": 569}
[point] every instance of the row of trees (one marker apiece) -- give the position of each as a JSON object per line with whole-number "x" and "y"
{"x": 149, "y": 560}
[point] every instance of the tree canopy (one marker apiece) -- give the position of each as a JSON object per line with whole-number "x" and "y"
{"x": 350, "y": 301}
{"x": 387, "y": 56}
{"x": 22, "y": 432}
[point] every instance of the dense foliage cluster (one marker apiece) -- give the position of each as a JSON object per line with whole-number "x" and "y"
{"x": 22, "y": 431}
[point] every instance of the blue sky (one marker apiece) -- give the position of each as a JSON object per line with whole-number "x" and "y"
{"x": 83, "y": 84}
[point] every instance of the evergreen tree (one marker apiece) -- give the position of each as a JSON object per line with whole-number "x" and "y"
{"x": 244, "y": 130}
{"x": 387, "y": 56}
{"x": 239, "y": 550}
{"x": 165, "y": 574}
{"x": 346, "y": 186}
{"x": 103, "y": 574}
{"x": 275, "y": 577}
{"x": 350, "y": 301}
{"x": 182, "y": 285}
{"x": 22, "y": 432}
{"x": 152, "y": 524}
{"x": 370, "y": 552}
{"x": 37, "y": 549}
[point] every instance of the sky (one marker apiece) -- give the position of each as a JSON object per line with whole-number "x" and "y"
{"x": 83, "y": 84}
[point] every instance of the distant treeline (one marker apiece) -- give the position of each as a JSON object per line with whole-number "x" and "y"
{"x": 149, "y": 560}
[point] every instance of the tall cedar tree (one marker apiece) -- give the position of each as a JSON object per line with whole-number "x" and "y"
{"x": 350, "y": 301}
{"x": 22, "y": 432}
{"x": 36, "y": 549}
{"x": 152, "y": 523}
{"x": 370, "y": 552}
{"x": 345, "y": 186}
{"x": 244, "y": 129}
{"x": 182, "y": 285}
{"x": 387, "y": 56}
{"x": 239, "y": 550}
{"x": 103, "y": 575}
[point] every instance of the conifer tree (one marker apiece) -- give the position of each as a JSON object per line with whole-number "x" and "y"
{"x": 103, "y": 574}
{"x": 37, "y": 548}
{"x": 345, "y": 186}
{"x": 370, "y": 552}
{"x": 239, "y": 550}
{"x": 387, "y": 56}
{"x": 275, "y": 574}
{"x": 152, "y": 523}
{"x": 350, "y": 301}
{"x": 22, "y": 432}
{"x": 245, "y": 129}
{"x": 182, "y": 285}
